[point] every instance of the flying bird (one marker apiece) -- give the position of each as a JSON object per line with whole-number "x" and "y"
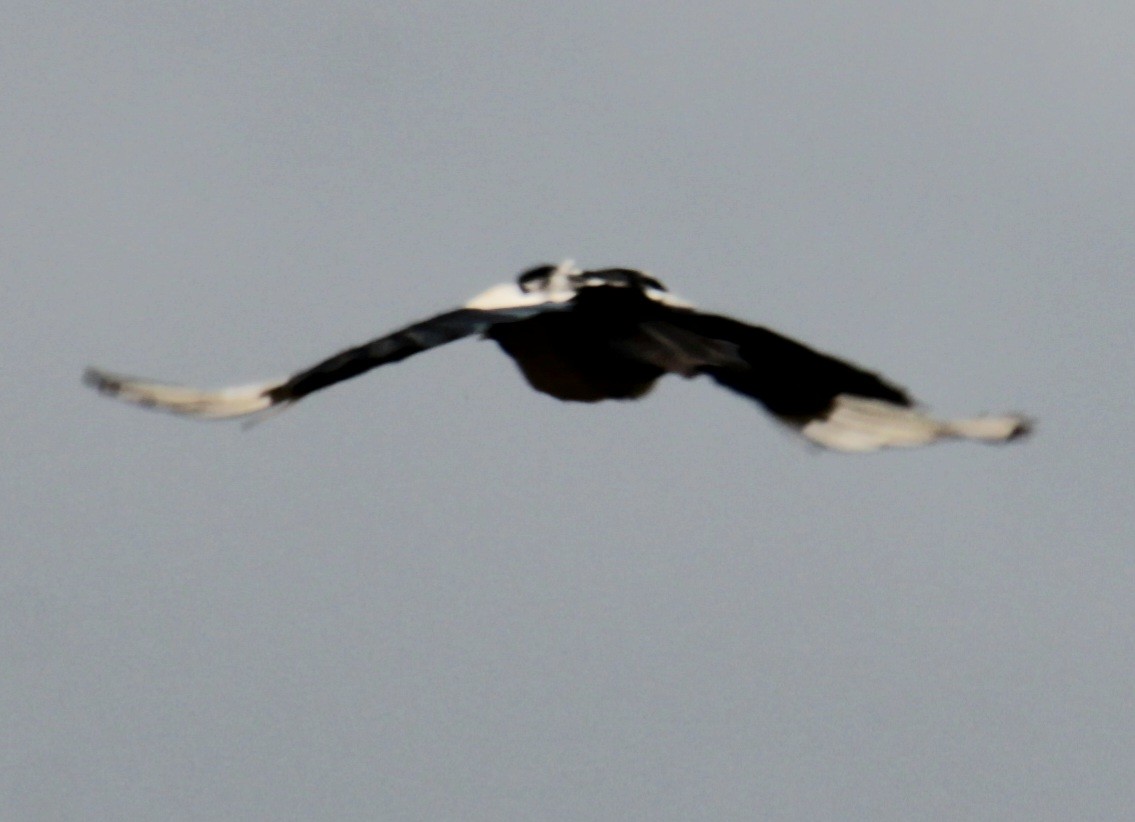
{"x": 585, "y": 336}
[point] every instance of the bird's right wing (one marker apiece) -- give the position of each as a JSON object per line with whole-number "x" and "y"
{"x": 259, "y": 397}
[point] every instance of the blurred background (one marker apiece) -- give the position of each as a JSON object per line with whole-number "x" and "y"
{"x": 433, "y": 593}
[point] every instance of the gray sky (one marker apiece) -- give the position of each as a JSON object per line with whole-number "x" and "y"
{"x": 435, "y": 594}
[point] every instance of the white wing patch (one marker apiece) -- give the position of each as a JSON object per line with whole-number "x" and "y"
{"x": 561, "y": 288}
{"x": 510, "y": 295}
{"x": 861, "y": 424}
{"x": 237, "y": 401}
{"x": 667, "y": 298}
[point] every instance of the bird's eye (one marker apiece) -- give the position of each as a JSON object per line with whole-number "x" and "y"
{"x": 535, "y": 278}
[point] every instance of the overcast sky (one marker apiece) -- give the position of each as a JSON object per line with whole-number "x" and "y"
{"x": 433, "y": 593}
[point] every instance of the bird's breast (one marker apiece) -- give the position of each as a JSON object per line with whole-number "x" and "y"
{"x": 564, "y": 358}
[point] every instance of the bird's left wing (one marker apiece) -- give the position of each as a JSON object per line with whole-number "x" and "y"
{"x": 830, "y": 401}
{"x": 243, "y": 400}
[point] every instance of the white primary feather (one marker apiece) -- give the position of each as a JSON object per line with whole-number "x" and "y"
{"x": 237, "y": 401}
{"x": 861, "y": 424}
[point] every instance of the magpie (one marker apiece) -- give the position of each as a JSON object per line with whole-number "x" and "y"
{"x": 585, "y": 336}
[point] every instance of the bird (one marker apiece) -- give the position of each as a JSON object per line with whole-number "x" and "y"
{"x": 587, "y": 336}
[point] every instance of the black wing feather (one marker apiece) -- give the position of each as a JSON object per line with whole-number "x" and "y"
{"x": 413, "y": 339}
{"x": 787, "y": 377}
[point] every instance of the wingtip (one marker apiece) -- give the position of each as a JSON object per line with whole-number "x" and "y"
{"x": 863, "y": 424}
{"x": 237, "y": 401}
{"x": 996, "y": 429}
{"x": 1026, "y": 427}
{"x": 100, "y": 380}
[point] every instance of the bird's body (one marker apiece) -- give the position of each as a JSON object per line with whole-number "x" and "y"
{"x": 596, "y": 351}
{"x": 586, "y": 336}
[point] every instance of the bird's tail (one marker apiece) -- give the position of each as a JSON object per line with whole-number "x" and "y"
{"x": 861, "y": 424}
{"x": 237, "y": 401}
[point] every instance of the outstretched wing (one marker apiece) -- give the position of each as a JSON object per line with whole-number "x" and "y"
{"x": 787, "y": 377}
{"x": 832, "y": 402}
{"x": 250, "y": 399}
